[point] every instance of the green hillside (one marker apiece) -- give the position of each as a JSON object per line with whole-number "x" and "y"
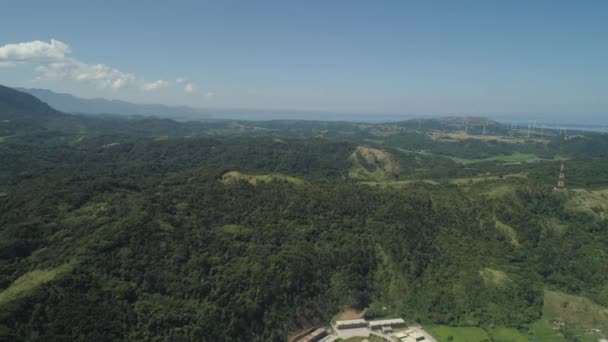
{"x": 247, "y": 231}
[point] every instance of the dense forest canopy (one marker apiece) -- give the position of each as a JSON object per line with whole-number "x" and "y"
{"x": 151, "y": 229}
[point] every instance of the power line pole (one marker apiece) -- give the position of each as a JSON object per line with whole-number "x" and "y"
{"x": 561, "y": 180}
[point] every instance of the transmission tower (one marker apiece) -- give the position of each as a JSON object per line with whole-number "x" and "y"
{"x": 561, "y": 180}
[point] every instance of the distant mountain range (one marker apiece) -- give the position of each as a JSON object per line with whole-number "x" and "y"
{"x": 71, "y": 104}
{"x": 24, "y": 118}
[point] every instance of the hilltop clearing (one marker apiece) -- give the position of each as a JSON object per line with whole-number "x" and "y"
{"x": 373, "y": 164}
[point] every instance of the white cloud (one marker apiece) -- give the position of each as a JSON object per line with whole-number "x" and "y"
{"x": 52, "y": 62}
{"x": 36, "y": 51}
{"x": 190, "y": 88}
{"x": 102, "y": 76}
{"x": 155, "y": 85}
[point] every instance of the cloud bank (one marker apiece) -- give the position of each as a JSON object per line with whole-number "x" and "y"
{"x": 52, "y": 62}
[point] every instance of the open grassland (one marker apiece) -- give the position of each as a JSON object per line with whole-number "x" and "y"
{"x": 475, "y": 334}
{"x": 398, "y": 184}
{"x": 235, "y": 176}
{"x": 30, "y": 281}
{"x": 569, "y": 318}
{"x": 445, "y": 333}
{"x": 592, "y": 202}
{"x": 460, "y": 136}
{"x": 577, "y": 312}
{"x": 511, "y": 158}
{"x": 473, "y": 180}
{"x": 542, "y": 331}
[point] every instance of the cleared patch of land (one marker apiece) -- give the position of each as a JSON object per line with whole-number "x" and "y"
{"x": 494, "y": 277}
{"x": 350, "y": 313}
{"x": 235, "y": 176}
{"x": 508, "y": 232}
{"x": 372, "y": 164}
{"x": 30, "y": 281}
{"x": 577, "y": 312}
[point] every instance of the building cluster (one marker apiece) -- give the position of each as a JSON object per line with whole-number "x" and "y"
{"x": 385, "y": 324}
{"x": 389, "y": 329}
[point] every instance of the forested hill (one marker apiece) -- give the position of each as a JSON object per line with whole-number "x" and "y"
{"x": 150, "y": 229}
{"x": 23, "y": 114}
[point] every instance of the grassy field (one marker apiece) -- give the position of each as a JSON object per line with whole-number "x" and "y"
{"x": 570, "y": 316}
{"x": 474, "y": 334}
{"x": 508, "y": 232}
{"x": 458, "y": 334}
{"x": 542, "y": 332}
{"x": 565, "y": 318}
{"x": 494, "y": 277}
{"x": 576, "y": 312}
{"x": 460, "y": 136}
{"x": 235, "y": 176}
{"x": 398, "y": 184}
{"x": 508, "y": 335}
{"x": 592, "y": 202}
{"x": 513, "y": 158}
{"x": 474, "y": 180}
{"x": 30, "y": 281}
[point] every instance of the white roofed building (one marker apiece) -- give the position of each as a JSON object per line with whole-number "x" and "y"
{"x": 352, "y": 324}
{"x": 392, "y": 323}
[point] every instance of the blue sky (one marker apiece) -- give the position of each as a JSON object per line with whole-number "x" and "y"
{"x": 402, "y": 57}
